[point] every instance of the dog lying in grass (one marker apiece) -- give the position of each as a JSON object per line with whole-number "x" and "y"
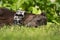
{"x": 34, "y": 20}
{"x": 10, "y": 17}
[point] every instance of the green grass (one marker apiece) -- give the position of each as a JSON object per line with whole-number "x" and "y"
{"x": 48, "y": 32}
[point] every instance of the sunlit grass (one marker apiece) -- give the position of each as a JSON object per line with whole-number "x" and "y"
{"x": 15, "y": 32}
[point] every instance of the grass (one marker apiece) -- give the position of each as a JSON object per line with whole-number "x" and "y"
{"x": 15, "y": 32}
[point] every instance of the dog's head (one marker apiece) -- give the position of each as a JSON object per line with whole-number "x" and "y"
{"x": 35, "y": 20}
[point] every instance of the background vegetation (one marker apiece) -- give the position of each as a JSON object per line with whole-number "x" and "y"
{"x": 49, "y": 32}
{"x": 51, "y": 7}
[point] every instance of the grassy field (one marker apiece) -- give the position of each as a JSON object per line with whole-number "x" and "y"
{"x": 15, "y": 32}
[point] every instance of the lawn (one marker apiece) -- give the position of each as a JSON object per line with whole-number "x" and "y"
{"x": 15, "y": 32}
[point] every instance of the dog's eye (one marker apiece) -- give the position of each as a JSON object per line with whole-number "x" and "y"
{"x": 38, "y": 20}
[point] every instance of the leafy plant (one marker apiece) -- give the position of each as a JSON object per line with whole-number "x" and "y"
{"x": 51, "y": 8}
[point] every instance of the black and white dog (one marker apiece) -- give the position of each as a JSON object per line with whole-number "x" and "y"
{"x": 18, "y": 17}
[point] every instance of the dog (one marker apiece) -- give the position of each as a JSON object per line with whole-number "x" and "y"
{"x": 34, "y": 20}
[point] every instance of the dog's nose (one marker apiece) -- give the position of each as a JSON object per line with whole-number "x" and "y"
{"x": 38, "y": 20}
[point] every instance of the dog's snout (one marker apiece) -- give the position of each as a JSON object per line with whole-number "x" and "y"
{"x": 38, "y": 20}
